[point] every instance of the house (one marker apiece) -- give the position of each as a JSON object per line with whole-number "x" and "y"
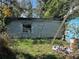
{"x": 33, "y": 27}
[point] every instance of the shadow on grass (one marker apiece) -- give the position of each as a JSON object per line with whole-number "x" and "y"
{"x": 35, "y": 40}
{"x": 46, "y": 57}
{"x": 29, "y": 56}
{"x": 6, "y": 53}
{"x": 41, "y": 41}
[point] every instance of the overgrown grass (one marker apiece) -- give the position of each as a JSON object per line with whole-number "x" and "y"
{"x": 32, "y": 47}
{"x": 36, "y": 48}
{"x": 60, "y": 42}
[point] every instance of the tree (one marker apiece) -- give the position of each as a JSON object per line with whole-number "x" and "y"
{"x": 73, "y": 7}
{"x": 18, "y": 7}
{"x": 39, "y": 10}
{"x": 25, "y": 7}
{"x": 58, "y": 8}
{"x": 6, "y": 11}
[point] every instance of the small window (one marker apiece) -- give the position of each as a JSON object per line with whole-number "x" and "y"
{"x": 26, "y": 27}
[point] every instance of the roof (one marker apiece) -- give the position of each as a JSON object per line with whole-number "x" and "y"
{"x": 31, "y": 19}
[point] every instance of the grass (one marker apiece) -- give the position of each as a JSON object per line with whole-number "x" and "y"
{"x": 35, "y": 47}
{"x": 28, "y": 46}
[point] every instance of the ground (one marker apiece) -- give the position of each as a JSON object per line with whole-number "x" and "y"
{"x": 28, "y": 48}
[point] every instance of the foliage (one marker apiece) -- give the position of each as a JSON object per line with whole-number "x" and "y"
{"x": 22, "y": 6}
{"x": 6, "y": 11}
{"x": 39, "y": 11}
{"x": 58, "y": 8}
{"x": 51, "y": 7}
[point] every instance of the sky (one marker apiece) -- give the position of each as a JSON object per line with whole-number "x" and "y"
{"x": 34, "y": 3}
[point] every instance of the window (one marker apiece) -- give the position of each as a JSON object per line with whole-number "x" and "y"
{"x": 26, "y": 27}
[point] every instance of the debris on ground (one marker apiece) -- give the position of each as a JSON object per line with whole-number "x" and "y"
{"x": 58, "y": 48}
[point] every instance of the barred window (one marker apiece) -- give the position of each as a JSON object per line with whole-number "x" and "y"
{"x": 26, "y": 27}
